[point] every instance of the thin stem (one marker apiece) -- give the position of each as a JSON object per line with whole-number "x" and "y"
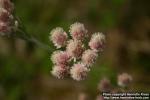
{"x": 24, "y": 35}
{"x": 37, "y": 42}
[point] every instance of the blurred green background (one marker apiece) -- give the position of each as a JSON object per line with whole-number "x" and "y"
{"x": 25, "y": 68}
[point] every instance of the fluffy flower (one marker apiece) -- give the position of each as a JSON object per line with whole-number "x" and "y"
{"x": 60, "y": 57}
{"x": 75, "y": 54}
{"x": 60, "y": 71}
{"x": 75, "y": 48}
{"x": 6, "y": 18}
{"x": 89, "y": 57}
{"x": 4, "y": 15}
{"x": 7, "y": 4}
{"x": 97, "y": 41}
{"x": 104, "y": 85}
{"x": 4, "y": 29}
{"x": 79, "y": 71}
{"x": 78, "y": 31}
{"x": 58, "y": 37}
{"x": 124, "y": 79}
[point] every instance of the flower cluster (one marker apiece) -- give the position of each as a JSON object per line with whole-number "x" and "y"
{"x": 105, "y": 85}
{"x": 6, "y": 17}
{"x": 76, "y": 58}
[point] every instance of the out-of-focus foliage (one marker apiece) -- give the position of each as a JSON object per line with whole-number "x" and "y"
{"x": 25, "y": 68}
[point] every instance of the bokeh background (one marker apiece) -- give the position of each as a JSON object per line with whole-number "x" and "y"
{"x": 25, "y": 67}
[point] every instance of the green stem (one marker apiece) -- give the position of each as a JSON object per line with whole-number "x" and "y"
{"x": 24, "y": 35}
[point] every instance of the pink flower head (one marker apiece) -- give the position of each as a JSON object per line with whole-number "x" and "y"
{"x": 4, "y": 28}
{"x": 97, "y": 41}
{"x": 7, "y": 4}
{"x": 75, "y": 48}
{"x": 4, "y": 15}
{"x": 58, "y": 37}
{"x": 124, "y": 79}
{"x": 60, "y": 57}
{"x": 104, "y": 85}
{"x": 60, "y": 71}
{"x": 89, "y": 57}
{"x": 6, "y": 18}
{"x": 78, "y": 31}
{"x": 79, "y": 71}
